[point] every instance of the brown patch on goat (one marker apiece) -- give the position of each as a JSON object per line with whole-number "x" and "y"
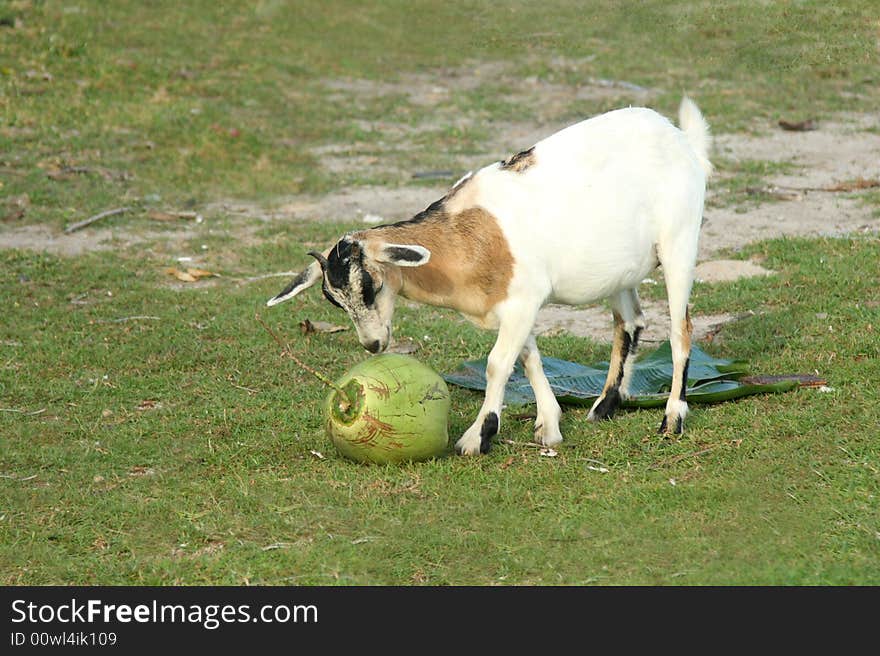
{"x": 615, "y": 367}
{"x": 687, "y": 329}
{"x": 520, "y": 162}
{"x": 622, "y": 348}
{"x": 470, "y": 267}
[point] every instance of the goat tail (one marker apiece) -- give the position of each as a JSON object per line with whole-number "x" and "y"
{"x": 695, "y": 128}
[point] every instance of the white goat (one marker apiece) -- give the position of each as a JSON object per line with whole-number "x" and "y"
{"x": 583, "y": 215}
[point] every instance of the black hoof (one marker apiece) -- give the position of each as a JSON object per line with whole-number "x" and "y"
{"x": 607, "y": 405}
{"x": 488, "y": 431}
{"x": 664, "y": 427}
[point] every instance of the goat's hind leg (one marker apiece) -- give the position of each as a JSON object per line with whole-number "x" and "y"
{"x": 628, "y": 325}
{"x": 678, "y": 285}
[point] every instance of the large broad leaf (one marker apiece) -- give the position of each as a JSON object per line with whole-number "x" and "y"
{"x": 710, "y": 380}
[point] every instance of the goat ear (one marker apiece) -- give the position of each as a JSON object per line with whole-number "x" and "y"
{"x": 308, "y": 277}
{"x": 408, "y": 255}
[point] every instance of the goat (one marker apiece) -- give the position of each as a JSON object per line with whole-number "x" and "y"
{"x": 583, "y": 215}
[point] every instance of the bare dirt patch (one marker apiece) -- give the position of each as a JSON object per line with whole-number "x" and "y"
{"x": 596, "y": 323}
{"x": 367, "y": 204}
{"x": 40, "y": 237}
{"x": 841, "y": 149}
{"x": 540, "y": 106}
{"x": 844, "y": 149}
{"x": 728, "y": 270}
{"x": 817, "y": 214}
{"x": 441, "y": 86}
{"x": 421, "y": 89}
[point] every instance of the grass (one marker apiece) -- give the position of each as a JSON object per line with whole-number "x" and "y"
{"x": 182, "y": 448}
{"x": 206, "y": 100}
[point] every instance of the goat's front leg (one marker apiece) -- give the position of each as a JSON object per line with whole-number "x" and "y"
{"x": 512, "y": 335}
{"x": 548, "y": 410}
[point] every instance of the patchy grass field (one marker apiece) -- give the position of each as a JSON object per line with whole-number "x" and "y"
{"x": 150, "y": 431}
{"x": 180, "y": 449}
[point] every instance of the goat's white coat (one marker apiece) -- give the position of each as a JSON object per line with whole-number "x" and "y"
{"x": 605, "y": 201}
{"x": 590, "y": 216}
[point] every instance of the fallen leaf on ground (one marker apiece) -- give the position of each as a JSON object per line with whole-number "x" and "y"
{"x": 157, "y": 215}
{"x": 799, "y": 126}
{"x": 854, "y": 185}
{"x": 308, "y": 327}
{"x": 180, "y": 275}
{"x": 191, "y": 274}
{"x": 149, "y": 404}
{"x": 202, "y": 273}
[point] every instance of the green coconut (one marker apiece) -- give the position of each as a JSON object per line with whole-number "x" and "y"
{"x": 389, "y": 408}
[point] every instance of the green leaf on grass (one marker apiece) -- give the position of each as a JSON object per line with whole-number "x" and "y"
{"x": 710, "y": 380}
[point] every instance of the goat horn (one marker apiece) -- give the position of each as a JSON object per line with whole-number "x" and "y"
{"x": 321, "y": 259}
